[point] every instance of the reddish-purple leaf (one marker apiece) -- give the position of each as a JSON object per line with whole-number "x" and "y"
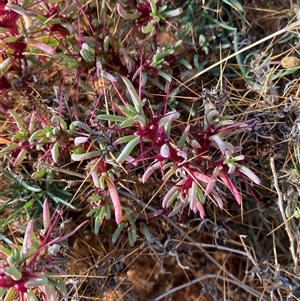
{"x": 149, "y": 171}
{"x": 200, "y": 209}
{"x": 210, "y": 181}
{"x": 115, "y": 200}
{"x": 230, "y": 186}
{"x": 44, "y": 47}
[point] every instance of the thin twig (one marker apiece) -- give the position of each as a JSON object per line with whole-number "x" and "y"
{"x": 249, "y": 255}
{"x": 204, "y": 277}
{"x": 63, "y": 170}
{"x": 285, "y": 220}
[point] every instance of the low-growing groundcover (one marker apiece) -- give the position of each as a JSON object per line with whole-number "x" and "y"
{"x": 149, "y": 150}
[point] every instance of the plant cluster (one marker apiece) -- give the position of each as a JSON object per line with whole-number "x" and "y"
{"x": 137, "y": 123}
{"x": 190, "y": 165}
{"x": 27, "y": 266}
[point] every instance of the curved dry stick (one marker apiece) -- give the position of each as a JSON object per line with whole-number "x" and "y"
{"x": 208, "y": 276}
{"x": 285, "y": 220}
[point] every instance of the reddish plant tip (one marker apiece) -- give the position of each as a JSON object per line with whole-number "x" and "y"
{"x": 8, "y": 19}
{"x": 144, "y": 10}
{"x": 58, "y": 31}
{"x": 18, "y": 48}
{"x": 4, "y": 84}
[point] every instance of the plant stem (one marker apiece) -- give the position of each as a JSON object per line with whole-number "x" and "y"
{"x": 280, "y": 205}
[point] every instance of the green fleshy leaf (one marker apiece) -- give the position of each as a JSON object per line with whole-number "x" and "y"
{"x": 13, "y": 272}
{"x": 134, "y": 96}
{"x": 18, "y": 120}
{"x": 37, "y": 279}
{"x": 124, "y": 14}
{"x": 55, "y": 152}
{"x": 146, "y": 232}
{"x": 4, "y": 152}
{"x": 128, "y": 149}
{"x": 118, "y": 232}
{"x": 148, "y": 28}
{"x": 111, "y": 117}
{"x": 60, "y": 200}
